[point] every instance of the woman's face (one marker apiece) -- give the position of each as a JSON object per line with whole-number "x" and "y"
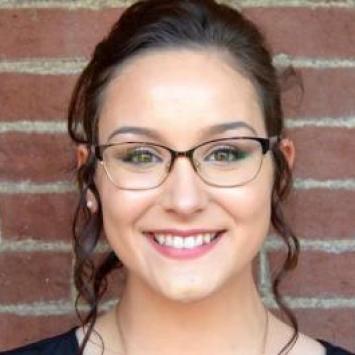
{"x": 179, "y": 95}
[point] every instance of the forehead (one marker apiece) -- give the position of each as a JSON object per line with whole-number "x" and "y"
{"x": 178, "y": 92}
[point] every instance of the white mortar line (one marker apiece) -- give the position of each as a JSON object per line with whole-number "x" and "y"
{"x": 44, "y": 66}
{"x": 64, "y": 308}
{"x": 60, "y": 125}
{"x": 38, "y": 308}
{"x": 30, "y": 245}
{"x": 0, "y": 230}
{"x": 326, "y": 122}
{"x": 55, "y": 308}
{"x": 334, "y": 184}
{"x": 293, "y": 3}
{"x": 264, "y": 272}
{"x": 317, "y": 63}
{"x": 319, "y": 303}
{"x": 34, "y": 126}
{"x": 65, "y": 4}
{"x": 70, "y": 66}
{"x": 311, "y": 303}
{"x": 72, "y": 288}
{"x": 100, "y": 4}
{"x": 331, "y": 246}
{"x": 29, "y": 187}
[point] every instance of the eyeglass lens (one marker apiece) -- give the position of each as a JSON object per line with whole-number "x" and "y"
{"x": 228, "y": 162}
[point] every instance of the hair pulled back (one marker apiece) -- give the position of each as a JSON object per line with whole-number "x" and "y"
{"x": 166, "y": 24}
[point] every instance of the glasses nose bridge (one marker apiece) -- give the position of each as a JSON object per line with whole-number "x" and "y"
{"x": 185, "y": 153}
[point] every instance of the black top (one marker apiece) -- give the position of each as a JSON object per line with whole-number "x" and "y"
{"x": 66, "y": 344}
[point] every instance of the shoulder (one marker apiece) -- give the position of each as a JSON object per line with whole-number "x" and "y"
{"x": 65, "y": 343}
{"x": 304, "y": 345}
{"x": 333, "y": 349}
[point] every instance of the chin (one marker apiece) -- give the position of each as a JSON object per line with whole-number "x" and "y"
{"x": 187, "y": 296}
{"x": 187, "y": 291}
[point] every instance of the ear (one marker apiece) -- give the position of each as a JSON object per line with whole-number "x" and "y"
{"x": 82, "y": 154}
{"x": 288, "y": 149}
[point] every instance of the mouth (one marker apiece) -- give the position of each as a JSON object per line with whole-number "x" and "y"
{"x": 186, "y": 246}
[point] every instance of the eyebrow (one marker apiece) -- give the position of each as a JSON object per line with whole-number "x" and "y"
{"x": 215, "y": 129}
{"x": 222, "y": 127}
{"x": 135, "y": 130}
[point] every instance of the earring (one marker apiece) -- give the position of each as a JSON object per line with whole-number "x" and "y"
{"x": 89, "y": 204}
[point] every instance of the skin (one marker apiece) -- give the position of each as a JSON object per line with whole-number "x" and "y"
{"x": 169, "y": 305}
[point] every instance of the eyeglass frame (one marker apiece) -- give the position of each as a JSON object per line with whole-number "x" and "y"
{"x": 266, "y": 145}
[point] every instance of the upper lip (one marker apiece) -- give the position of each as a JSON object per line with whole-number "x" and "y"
{"x": 184, "y": 232}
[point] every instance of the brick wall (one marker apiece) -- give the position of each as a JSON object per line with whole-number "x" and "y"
{"x": 43, "y": 46}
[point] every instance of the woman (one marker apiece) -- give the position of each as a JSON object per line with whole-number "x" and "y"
{"x": 183, "y": 164}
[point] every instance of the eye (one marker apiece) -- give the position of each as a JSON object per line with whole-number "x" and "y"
{"x": 227, "y": 154}
{"x": 140, "y": 156}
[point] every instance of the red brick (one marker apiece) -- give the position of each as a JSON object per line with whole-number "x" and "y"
{"x": 308, "y": 32}
{"x": 324, "y": 153}
{"x": 31, "y": 97}
{"x": 53, "y": 32}
{"x": 20, "y": 330}
{"x": 318, "y": 274}
{"x": 321, "y": 213}
{"x": 333, "y": 325}
{"x": 34, "y": 97}
{"x": 59, "y": 32}
{"x": 37, "y": 157}
{"x": 26, "y": 216}
{"x": 327, "y": 93}
{"x": 34, "y": 276}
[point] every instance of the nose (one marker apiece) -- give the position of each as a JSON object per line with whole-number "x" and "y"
{"x": 183, "y": 192}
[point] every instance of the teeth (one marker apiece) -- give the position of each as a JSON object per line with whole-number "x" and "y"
{"x": 161, "y": 239}
{"x": 189, "y": 242}
{"x": 178, "y": 242}
{"x": 207, "y": 238}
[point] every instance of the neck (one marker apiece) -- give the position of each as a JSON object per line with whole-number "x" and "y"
{"x": 230, "y": 321}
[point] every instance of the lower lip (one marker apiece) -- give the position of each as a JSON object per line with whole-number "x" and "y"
{"x": 183, "y": 254}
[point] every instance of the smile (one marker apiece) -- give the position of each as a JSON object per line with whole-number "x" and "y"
{"x": 190, "y": 242}
{"x": 184, "y": 247}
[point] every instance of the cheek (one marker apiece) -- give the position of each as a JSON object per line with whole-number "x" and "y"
{"x": 250, "y": 205}
{"x": 122, "y": 210}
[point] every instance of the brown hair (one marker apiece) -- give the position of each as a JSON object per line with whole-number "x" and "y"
{"x": 159, "y": 24}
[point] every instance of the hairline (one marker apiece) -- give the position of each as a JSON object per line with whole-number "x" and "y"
{"x": 222, "y": 52}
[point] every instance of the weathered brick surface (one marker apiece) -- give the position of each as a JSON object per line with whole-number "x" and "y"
{"x": 327, "y": 93}
{"x": 34, "y": 277}
{"x": 318, "y": 274}
{"x": 322, "y": 213}
{"x": 335, "y": 325}
{"x": 18, "y": 330}
{"x": 36, "y": 157}
{"x": 46, "y": 97}
{"x": 306, "y": 32}
{"x": 324, "y": 153}
{"x": 53, "y": 32}
{"x": 34, "y": 97}
{"x": 42, "y": 217}
{"x": 62, "y": 33}
{"x": 321, "y": 153}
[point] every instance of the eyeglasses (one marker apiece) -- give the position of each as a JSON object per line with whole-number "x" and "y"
{"x": 226, "y": 162}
